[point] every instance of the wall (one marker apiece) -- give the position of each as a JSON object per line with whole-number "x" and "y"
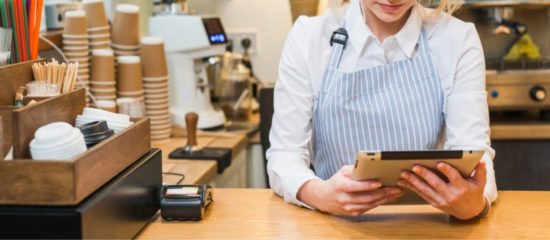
{"x": 270, "y": 18}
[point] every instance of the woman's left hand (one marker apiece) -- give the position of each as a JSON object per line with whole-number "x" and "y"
{"x": 462, "y": 198}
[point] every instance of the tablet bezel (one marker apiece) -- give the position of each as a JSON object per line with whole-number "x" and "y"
{"x": 386, "y": 166}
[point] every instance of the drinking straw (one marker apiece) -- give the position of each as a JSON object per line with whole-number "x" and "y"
{"x": 13, "y": 24}
{"x": 23, "y": 7}
{"x": 38, "y": 19}
{"x": 32, "y": 10}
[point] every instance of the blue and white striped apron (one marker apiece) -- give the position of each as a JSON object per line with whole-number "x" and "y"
{"x": 398, "y": 106}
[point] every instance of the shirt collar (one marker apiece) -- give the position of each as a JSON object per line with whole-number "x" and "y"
{"x": 360, "y": 33}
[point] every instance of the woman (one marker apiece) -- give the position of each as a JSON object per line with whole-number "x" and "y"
{"x": 406, "y": 78}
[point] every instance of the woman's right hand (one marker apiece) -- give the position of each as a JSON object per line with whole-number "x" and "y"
{"x": 341, "y": 195}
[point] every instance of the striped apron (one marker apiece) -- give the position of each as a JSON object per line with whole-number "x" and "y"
{"x": 398, "y": 106}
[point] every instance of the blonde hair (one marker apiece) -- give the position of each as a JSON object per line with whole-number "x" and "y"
{"x": 447, "y": 6}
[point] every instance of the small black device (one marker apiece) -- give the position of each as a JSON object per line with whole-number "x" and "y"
{"x": 184, "y": 202}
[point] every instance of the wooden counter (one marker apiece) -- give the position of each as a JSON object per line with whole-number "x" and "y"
{"x": 260, "y": 214}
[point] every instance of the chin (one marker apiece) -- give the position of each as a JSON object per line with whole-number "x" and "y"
{"x": 388, "y": 18}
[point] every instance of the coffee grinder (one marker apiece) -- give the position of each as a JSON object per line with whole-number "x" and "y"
{"x": 189, "y": 40}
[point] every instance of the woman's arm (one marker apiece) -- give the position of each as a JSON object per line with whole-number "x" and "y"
{"x": 467, "y": 127}
{"x": 291, "y": 129}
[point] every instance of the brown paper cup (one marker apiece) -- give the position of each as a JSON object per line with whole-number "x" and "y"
{"x": 75, "y": 23}
{"x": 100, "y": 39}
{"x": 129, "y": 74}
{"x": 103, "y": 66}
{"x": 153, "y": 57}
{"x": 112, "y": 97}
{"x": 125, "y": 29}
{"x": 96, "y": 9}
{"x": 103, "y": 94}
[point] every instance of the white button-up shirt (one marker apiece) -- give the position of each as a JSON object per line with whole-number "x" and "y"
{"x": 459, "y": 60}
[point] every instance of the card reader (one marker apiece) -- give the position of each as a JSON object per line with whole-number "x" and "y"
{"x": 184, "y": 202}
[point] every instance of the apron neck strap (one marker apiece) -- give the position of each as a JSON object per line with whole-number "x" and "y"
{"x": 338, "y": 41}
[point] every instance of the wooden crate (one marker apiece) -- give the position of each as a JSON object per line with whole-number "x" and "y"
{"x": 11, "y": 78}
{"x": 65, "y": 183}
{"x": 6, "y": 114}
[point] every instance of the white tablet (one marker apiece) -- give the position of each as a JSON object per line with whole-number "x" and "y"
{"x": 386, "y": 166}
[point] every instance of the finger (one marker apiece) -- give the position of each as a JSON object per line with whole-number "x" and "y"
{"x": 358, "y": 209}
{"x": 432, "y": 179}
{"x": 373, "y": 196}
{"x": 404, "y": 183}
{"x": 421, "y": 186}
{"x": 346, "y": 170}
{"x": 349, "y": 185}
{"x": 451, "y": 173}
{"x": 480, "y": 175}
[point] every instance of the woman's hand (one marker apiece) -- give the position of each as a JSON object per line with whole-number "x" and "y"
{"x": 462, "y": 198}
{"x": 341, "y": 195}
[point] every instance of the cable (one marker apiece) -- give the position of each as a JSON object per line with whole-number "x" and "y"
{"x": 176, "y": 174}
{"x": 60, "y": 52}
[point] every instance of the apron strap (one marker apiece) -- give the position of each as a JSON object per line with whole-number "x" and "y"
{"x": 338, "y": 41}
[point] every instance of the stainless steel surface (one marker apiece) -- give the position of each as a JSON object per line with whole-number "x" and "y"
{"x": 518, "y": 89}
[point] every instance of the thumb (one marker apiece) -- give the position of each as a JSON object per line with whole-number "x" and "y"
{"x": 480, "y": 175}
{"x": 346, "y": 170}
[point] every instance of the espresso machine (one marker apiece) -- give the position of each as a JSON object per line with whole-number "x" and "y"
{"x": 516, "y": 41}
{"x": 190, "y": 40}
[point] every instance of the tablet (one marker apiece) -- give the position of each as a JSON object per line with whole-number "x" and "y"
{"x": 386, "y": 166}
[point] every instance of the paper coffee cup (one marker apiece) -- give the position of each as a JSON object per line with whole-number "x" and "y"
{"x": 112, "y": 97}
{"x": 99, "y": 88}
{"x": 155, "y": 85}
{"x": 76, "y": 23}
{"x": 156, "y": 90}
{"x": 125, "y": 29}
{"x": 157, "y": 106}
{"x": 164, "y": 121}
{"x": 129, "y": 74}
{"x": 96, "y": 9}
{"x": 153, "y": 57}
{"x": 103, "y": 66}
{"x": 107, "y": 105}
{"x": 104, "y": 95}
{"x": 155, "y": 79}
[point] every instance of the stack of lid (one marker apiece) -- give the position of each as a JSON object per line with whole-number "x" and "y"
{"x": 75, "y": 44}
{"x": 99, "y": 33}
{"x": 155, "y": 82}
{"x": 125, "y": 31}
{"x": 129, "y": 84}
{"x": 103, "y": 77}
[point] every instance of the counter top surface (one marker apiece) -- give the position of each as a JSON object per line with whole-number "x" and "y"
{"x": 260, "y": 214}
{"x": 195, "y": 171}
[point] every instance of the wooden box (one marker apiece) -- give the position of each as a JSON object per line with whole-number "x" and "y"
{"x": 11, "y": 78}
{"x": 65, "y": 183}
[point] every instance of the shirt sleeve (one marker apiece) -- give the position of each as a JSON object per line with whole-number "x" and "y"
{"x": 291, "y": 129}
{"x": 466, "y": 110}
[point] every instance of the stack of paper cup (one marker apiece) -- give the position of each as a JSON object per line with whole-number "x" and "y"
{"x": 75, "y": 44}
{"x": 99, "y": 33}
{"x": 129, "y": 84}
{"x": 103, "y": 76}
{"x": 125, "y": 31}
{"x": 155, "y": 82}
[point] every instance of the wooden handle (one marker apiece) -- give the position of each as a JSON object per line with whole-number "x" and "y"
{"x": 191, "y": 120}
